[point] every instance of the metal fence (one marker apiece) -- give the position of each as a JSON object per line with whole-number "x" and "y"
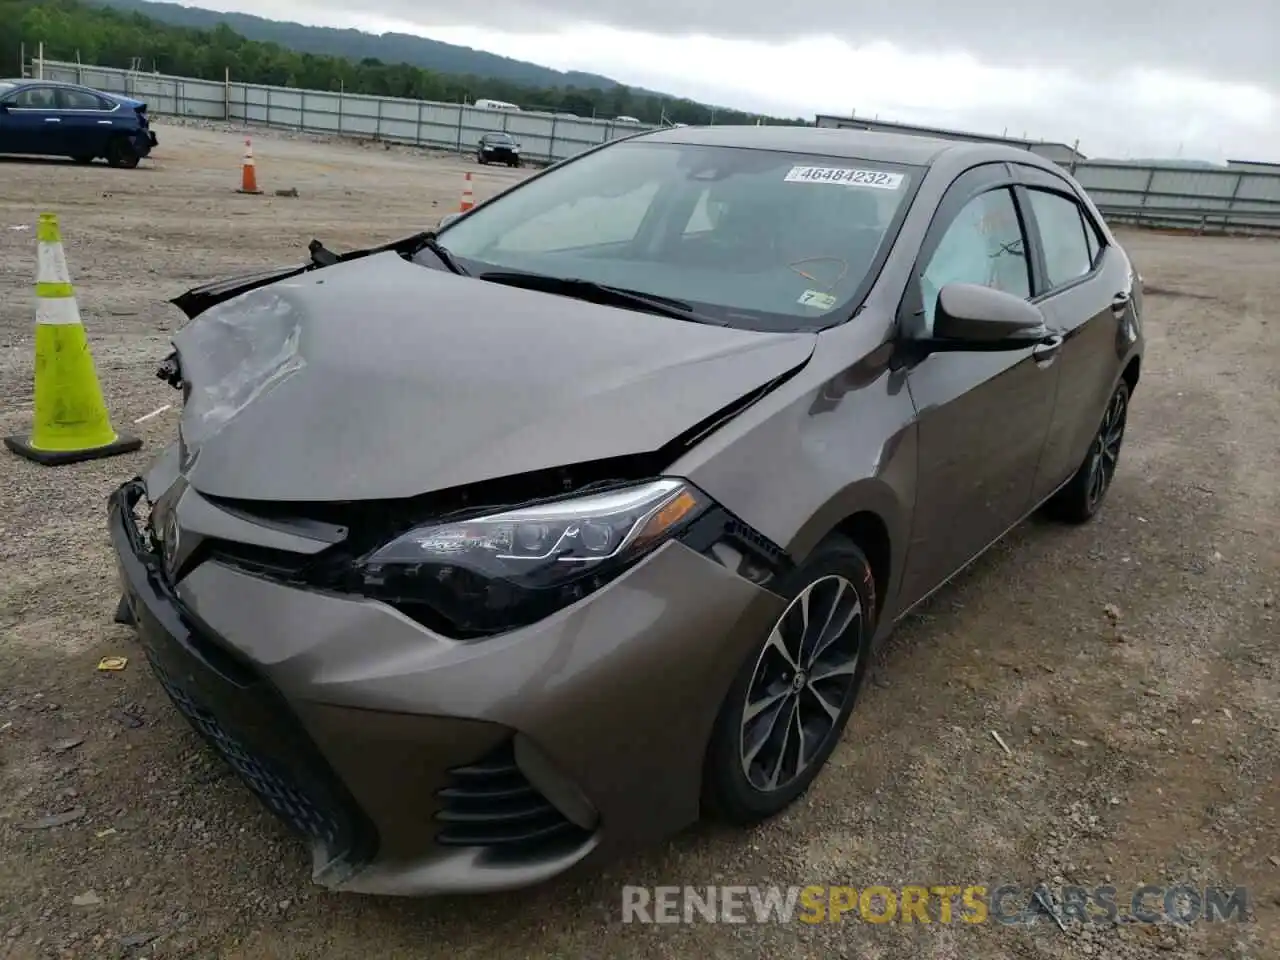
{"x": 1202, "y": 199}
{"x": 448, "y": 126}
{"x": 1222, "y": 199}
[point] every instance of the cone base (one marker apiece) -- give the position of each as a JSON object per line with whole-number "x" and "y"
{"x": 249, "y": 191}
{"x": 56, "y": 458}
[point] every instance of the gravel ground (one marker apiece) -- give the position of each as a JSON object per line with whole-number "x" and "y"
{"x": 1130, "y": 665}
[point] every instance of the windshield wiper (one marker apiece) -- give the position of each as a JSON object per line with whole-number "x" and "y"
{"x": 600, "y": 293}
{"x": 429, "y": 242}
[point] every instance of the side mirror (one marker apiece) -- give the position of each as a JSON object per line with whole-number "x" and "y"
{"x": 973, "y": 317}
{"x": 447, "y": 219}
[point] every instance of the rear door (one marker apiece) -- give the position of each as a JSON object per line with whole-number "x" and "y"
{"x": 1083, "y": 290}
{"x": 982, "y": 416}
{"x": 87, "y": 122}
{"x": 32, "y": 121}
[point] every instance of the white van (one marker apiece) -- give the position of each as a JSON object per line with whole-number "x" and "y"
{"x": 495, "y": 105}
{"x": 625, "y": 120}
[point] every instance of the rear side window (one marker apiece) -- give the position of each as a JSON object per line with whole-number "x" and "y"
{"x": 1067, "y": 252}
{"x": 81, "y": 100}
{"x": 1093, "y": 237}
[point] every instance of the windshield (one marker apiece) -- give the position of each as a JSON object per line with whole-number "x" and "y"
{"x": 754, "y": 238}
{"x": 498, "y": 138}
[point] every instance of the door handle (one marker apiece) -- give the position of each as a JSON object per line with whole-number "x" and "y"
{"x": 52, "y": 119}
{"x": 1046, "y": 349}
{"x": 105, "y": 123}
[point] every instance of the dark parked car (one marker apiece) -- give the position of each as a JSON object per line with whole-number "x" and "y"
{"x": 591, "y": 526}
{"x": 41, "y": 117}
{"x": 498, "y": 148}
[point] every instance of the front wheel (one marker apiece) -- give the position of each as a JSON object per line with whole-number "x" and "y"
{"x": 791, "y": 699}
{"x": 1082, "y": 497}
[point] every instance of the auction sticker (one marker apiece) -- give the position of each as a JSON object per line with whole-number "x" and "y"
{"x": 845, "y": 176}
{"x": 816, "y": 298}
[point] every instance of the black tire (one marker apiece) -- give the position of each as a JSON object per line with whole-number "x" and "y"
{"x": 1081, "y": 499}
{"x": 121, "y": 154}
{"x": 729, "y": 792}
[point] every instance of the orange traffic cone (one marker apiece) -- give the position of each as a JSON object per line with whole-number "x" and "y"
{"x": 468, "y": 198}
{"x": 248, "y": 173}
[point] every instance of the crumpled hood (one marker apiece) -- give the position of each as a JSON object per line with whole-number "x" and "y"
{"x": 379, "y": 379}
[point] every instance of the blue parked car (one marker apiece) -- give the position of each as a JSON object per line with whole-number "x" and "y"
{"x": 42, "y": 117}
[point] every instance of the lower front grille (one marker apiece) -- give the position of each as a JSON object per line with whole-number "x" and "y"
{"x": 492, "y": 804}
{"x": 310, "y": 816}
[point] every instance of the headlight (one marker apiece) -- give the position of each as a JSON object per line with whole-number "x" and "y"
{"x": 492, "y": 573}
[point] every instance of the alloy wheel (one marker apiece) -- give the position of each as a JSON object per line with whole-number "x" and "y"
{"x": 1106, "y": 448}
{"x": 801, "y": 683}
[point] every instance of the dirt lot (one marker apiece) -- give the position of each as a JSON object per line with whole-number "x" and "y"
{"x": 1131, "y": 666}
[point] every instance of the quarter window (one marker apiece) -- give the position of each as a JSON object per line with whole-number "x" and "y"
{"x": 983, "y": 245}
{"x": 1062, "y": 232}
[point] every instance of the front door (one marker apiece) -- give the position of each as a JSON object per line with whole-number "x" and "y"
{"x": 31, "y": 122}
{"x": 982, "y": 417}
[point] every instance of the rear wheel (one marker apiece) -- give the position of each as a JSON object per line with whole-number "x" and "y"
{"x": 1082, "y": 497}
{"x": 120, "y": 153}
{"x": 791, "y": 699}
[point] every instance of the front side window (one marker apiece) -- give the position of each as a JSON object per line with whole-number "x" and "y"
{"x": 983, "y": 245}
{"x": 755, "y": 238}
{"x": 1062, "y": 233}
{"x": 35, "y": 98}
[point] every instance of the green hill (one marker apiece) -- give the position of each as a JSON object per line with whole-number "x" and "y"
{"x": 116, "y": 37}
{"x": 358, "y": 45}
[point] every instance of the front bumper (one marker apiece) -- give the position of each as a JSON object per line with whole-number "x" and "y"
{"x": 144, "y": 141}
{"x": 416, "y": 764}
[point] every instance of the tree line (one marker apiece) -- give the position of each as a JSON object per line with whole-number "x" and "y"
{"x": 115, "y": 38}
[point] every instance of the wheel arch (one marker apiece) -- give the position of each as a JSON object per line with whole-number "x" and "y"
{"x": 1132, "y": 371}
{"x": 871, "y": 514}
{"x": 868, "y": 530}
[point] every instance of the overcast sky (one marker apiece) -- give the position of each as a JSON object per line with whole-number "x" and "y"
{"x": 1127, "y": 78}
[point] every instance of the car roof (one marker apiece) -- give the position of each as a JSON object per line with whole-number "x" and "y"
{"x": 837, "y": 142}
{"x": 30, "y": 82}
{"x": 35, "y": 81}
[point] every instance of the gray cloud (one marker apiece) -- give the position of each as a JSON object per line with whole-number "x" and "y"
{"x": 1227, "y": 39}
